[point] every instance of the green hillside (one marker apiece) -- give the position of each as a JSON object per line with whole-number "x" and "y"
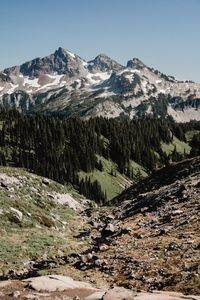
{"x": 33, "y": 225}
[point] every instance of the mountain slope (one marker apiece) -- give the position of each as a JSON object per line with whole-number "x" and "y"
{"x": 151, "y": 240}
{"x": 37, "y": 218}
{"x": 167, "y": 175}
{"x": 100, "y": 157}
{"x": 148, "y": 242}
{"x": 65, "y": 83}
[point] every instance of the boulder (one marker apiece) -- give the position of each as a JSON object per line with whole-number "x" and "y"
{"x": 68, "y": 200}
{"x": 45, "y": 181}
{"x": 103, "y": 247}
{"x": 5, "y": 283}
{"x": 7, "y": 181}
{"x": 51, "y": 283}
{"x": 119, "y": 293}
{"x": 110, "y": 227}
{"x": 96, "y": 296}
{"x": 16, "y": 215}
{"x": 15, "y": 294}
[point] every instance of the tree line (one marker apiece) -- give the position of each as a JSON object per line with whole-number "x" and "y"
{"x": 60, "y": 148}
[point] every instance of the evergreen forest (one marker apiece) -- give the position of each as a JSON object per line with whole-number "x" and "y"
{"x": 60, "y": 148}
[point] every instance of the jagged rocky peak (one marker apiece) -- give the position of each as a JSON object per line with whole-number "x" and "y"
{"x": 104, "y": 63}
{"x": 60, "y": 62}
{"x": 66, "y": 62}
{"x": 4, "y": 77}
{"x": 135, "y": 63}
{"x": 64, "y": 54}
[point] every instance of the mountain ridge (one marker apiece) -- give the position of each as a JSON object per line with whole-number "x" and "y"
{"x": 65, "y": 83}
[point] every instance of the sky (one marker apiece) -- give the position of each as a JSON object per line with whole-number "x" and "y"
{"x": 164, "y": 34}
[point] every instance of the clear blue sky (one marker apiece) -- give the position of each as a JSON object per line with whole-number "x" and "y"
{"x": 164, "y": 34}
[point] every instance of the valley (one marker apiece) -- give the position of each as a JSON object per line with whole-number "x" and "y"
{"x": 99, "y": 181}
{"x": 147, "y": 240}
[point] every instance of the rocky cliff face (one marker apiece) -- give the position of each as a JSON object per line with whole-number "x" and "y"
{"x": 60, "y": 62}
{"x": 63, "y": 82}
{"x": 103, "y": 63}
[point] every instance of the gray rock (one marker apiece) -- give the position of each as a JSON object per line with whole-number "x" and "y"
{"x": 53, "y": 283}
{"x": 165, "y": 296}
{"x": 31, "y": 297}
{"x": 89, "y": 256}
{"x": 84, "y": 258}
{"x": 5, "y": 283}
{"x": 103, "y": 63}
{"x": 96, "y": 296}
{"x": 110, "y": 227}
{"x": 119, "y": 293}
{"x": 103, "y": 247}
{"x": 99, "y": 262}
{"x": 15, "y": 294}
{"x": 45, "y": 181}
{"x": 33, "y": 189}
{"x": 16, "y": 214}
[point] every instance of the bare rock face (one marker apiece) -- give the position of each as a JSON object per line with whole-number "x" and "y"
{"x": 57, "y": 287}
{"x": 53, "y": 283}
{"x": 119, "y": 293}
{"x": 103, "y": 63}
{"x": 164, "y": 296}
{"x": 135, "y": 63}
{"x": 60, "y": 62}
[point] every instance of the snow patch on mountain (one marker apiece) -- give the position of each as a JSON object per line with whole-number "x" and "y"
{"x": 96, "y": 78}
{"x": 106, "y": 94}
{"x": 71, "y": 54}
{"x": 12, "y": 88}
{"x": 65, "y": 81}
{"x": 31, "y": 82}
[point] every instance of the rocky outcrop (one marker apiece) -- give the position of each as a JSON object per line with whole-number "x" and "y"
{"x": 52, "y": 283}
{"x": 118, "y": 293}
{"x": 103, "y": 63}
{"x": 57, "y": 287}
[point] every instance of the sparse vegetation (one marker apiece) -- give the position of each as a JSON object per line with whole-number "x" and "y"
{"x": 45, "y": 227}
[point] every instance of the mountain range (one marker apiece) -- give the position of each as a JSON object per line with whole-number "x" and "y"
{"x": 65, "y": 83}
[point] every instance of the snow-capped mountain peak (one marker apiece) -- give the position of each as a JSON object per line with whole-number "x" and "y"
{"x": 63, "y": 81}
{"x": 61, "y": 52}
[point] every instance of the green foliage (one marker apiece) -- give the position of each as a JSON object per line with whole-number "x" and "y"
{"x": 45, "y": 226}
{"x": 61, "y": 148}
{"x": 195, "y": 144}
